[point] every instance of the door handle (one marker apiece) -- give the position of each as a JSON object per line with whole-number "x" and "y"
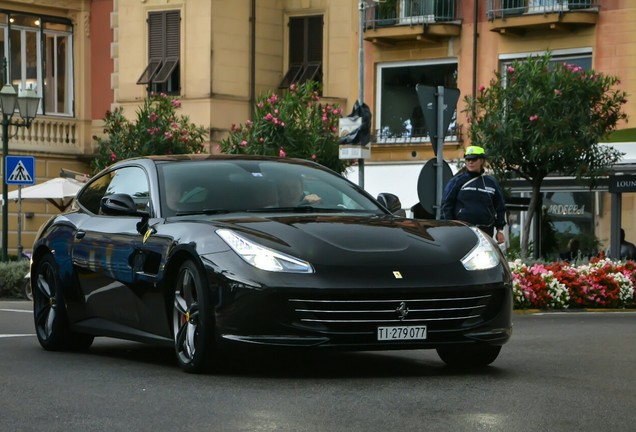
{"x": 80, "y": 234}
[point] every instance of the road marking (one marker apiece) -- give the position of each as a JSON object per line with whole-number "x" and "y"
{"x": 15, "y": 335}
{"x": 16, "y": 310}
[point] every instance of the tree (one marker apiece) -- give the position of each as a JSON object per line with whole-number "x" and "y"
{"x": 539, "y": 117}
{"x": 294, "y": 124}
{"x": 157, "y": 130}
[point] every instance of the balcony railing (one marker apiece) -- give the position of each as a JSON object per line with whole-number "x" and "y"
{"x": 53, "y": 135}
{"x": 410, "y": 12}
{"x": 415, "y": 136}
{"x": 506, "y": 8}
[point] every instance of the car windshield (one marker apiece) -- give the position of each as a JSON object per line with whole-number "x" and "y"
{"x": 234, "y": 185}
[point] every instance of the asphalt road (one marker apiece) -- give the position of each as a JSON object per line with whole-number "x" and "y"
{"x": 569, "y": 371}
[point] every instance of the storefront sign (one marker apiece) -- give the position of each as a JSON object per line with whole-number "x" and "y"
{"x": 623, "y": 183}
{"x": 566, "y": 209}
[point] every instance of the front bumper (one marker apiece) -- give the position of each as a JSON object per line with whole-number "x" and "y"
{"x": 348, "y": 318}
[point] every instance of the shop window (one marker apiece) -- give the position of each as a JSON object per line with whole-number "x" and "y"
{"x": 571, "y": 214}
{"x": 399, "y": 115}
{"x": 161, "y": 74}
{"x": 305, "y": 51}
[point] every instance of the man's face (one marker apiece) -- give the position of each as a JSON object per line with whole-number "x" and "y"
{"x": 290, "y": 193}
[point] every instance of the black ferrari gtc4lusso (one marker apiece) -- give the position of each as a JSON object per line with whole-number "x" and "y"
{"x": 204, "y": 253}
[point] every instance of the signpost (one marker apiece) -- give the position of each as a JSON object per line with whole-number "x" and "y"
{"x": 435, "y": 103}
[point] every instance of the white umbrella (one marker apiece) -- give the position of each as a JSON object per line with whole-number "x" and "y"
{"x": 58, "y": 191}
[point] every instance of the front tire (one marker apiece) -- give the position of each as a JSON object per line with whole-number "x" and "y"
{"x": 49, "y": 312}
{"x": 27, "y": 292}
{"x": 473, "y": 356}
{"x": 192, "y": 321}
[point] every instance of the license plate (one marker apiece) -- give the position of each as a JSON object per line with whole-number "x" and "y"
{"x": 402, "y": 333}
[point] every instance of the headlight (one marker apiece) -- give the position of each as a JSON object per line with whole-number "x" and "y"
{"x": 483, "y": 256}
{"x": 261, "y": 257}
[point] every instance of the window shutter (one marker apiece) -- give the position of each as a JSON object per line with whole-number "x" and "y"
{"x": 173, "y": 34}
{"x": 155, "y": 47}
{"x": 314, "y": 39}
{"x": 155, "y": 35}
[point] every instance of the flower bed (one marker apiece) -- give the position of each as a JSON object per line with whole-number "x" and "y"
{"x": 600, "y": 284}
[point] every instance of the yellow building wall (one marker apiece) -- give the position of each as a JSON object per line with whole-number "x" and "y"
{"x": 217, "y": 54}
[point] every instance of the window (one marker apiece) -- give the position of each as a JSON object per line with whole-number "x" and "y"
{"x": 164, "y": 53}
{"x": 305, "y": 51}
{"x": 399, "y": 115}
{"x": 128, "y": 180}
{"x": 39, "y": 51}
{"x": 577, "y": 57}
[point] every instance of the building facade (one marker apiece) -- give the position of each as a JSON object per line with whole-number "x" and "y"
{"x": 217, "y": 56}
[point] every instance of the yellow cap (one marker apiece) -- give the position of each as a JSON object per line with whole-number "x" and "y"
{"x": 474, "y": 152}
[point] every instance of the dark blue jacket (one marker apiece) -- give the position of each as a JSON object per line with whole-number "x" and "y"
{"x": 476, "y": 199}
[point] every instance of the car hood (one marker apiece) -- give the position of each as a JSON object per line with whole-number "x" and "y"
{"x": 342, "y": 240}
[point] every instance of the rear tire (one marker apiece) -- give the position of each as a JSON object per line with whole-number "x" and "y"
{"x": 49, "y": 311}
{"x": 471, "y": 356}
{"x": 192, "y": 321}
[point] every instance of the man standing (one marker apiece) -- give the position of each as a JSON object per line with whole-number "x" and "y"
{"x": 474, "y": 197}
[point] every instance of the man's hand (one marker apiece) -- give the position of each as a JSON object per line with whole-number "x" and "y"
{"x": 311, "y": 199}
{"x": 500, "y": 237}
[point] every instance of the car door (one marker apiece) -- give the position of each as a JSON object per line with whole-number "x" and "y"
{"x": 105, "y": 246}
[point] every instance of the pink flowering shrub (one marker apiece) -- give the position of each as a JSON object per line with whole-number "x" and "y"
{"x": 157, "y": 130}
{"x": 600, "y": 284}
{"x": 295, "y": 124}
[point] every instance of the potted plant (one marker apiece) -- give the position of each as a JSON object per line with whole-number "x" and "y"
{"x": 386, "y": 13}
{"x": 513, "y": 7}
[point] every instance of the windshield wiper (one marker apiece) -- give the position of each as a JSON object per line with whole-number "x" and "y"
{"x": 202, "y": 212}
{"x": 299, "y": 209}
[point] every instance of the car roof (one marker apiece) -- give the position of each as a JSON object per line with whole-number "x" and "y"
{"x": 205, "y": 156}
{"x": 215, "y": 157}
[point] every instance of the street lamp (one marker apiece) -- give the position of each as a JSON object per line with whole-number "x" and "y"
{"x": 27, "y": 102}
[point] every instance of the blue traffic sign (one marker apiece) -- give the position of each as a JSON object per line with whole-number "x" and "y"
{"x": 19, "y": 170}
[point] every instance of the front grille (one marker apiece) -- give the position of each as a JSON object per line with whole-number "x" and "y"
{"x": 365, "y": 313}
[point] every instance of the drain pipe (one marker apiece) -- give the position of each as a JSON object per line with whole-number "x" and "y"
{"x": 475, "y": 35}
{"x": 253, "y": 61}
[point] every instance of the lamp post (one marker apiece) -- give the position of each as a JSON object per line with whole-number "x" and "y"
{"x": 27, "y": 102}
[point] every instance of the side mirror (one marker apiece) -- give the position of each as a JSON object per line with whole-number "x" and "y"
{"x": 120, "y": 205}
{"x": 391, "y": 202}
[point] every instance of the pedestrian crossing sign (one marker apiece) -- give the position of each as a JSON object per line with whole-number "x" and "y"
{"x": 19, "y": 170}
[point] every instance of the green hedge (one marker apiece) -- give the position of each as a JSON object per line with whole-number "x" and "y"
{"x": 12, "y": 277}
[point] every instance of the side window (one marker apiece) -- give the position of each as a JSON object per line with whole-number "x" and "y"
{"x": 129, "y": 180}
{"x": 92, "y": 195}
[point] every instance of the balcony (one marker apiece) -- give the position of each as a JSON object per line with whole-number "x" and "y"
{"x": 518, "y": 17}
{"x": 53, "y": 135}
{"x": 428, "y": 21}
